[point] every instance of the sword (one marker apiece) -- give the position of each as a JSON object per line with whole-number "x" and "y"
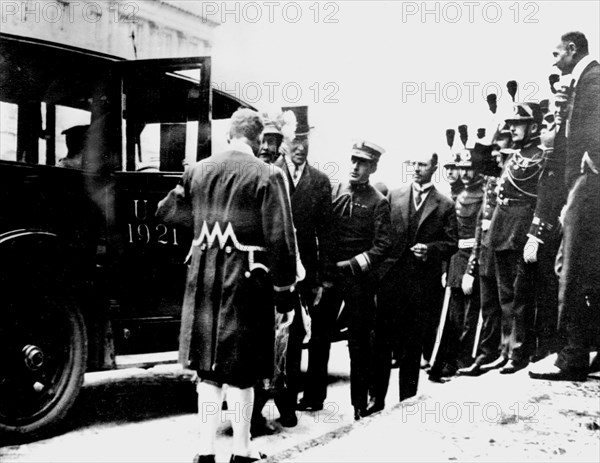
{"x": 440, "y": 330}
{"x": 477, "y": 334}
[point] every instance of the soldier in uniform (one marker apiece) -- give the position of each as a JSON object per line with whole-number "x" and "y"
{"x": 362, "y": 228}
{"x": 460, "y": 328}
{"x": 517, "y": 195}
{"x": 487, "y": 161}
{"x": 543, "y": 242}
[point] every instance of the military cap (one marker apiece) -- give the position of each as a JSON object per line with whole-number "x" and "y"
{"x": 526, "y": 112}
{"x": 367, "y": 150}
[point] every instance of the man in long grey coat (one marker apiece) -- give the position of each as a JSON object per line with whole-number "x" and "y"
{"x": 243, "y": 249}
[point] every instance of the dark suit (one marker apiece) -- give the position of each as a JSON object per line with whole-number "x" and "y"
{"x": 579, "y": 295}
{"x": 312, "y": 215}
{"x": 408, "y": 288}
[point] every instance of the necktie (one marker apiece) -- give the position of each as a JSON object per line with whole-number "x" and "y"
{"x": 420, "y": 194}
{"x": 296, "y": 172}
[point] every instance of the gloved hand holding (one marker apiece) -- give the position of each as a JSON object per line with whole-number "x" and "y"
{"x": 467, "y": 284}
{"x": 530, "y": 250}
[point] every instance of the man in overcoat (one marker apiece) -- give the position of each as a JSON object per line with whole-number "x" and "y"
{"x": 241, "y": 259}
{"x": 579, "y": 294}
{"x": 310, "y": 194}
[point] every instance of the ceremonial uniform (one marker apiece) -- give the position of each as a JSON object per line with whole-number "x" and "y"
{"x": 457, "y": 340}
{"x": 244, "y": 245}
{"x": 482, "y": 261}
{"x": 512, "y": 218}
{"x": 545, "y": 229}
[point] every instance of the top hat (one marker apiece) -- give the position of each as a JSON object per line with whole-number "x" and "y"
{"x": 301, "y": 112}
{"x": 367, "y": 150}
{"x": 529, "y": 111}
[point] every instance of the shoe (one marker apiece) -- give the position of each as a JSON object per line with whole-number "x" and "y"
{"x": 375, "y": 406}
{"x": 307, "y": 406}
{"x": 513, "y": 366}
{"x": 436, "y": 378}
{"x": 359, "y": 413}
{"x": 263, "y": 428}
{"x": 472, "y": 370}
{"x": 204, "y": 459}
{"x": 289, "y": 420}
{"x": 240, "y": 459}
{"x": 554, "y": 373}
{"x": 498, "y": 363}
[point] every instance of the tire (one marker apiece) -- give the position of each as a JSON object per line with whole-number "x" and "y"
{"x": 43, "y": 353}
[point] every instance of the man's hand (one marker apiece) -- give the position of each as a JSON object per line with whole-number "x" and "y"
{"x": 485, "y": 224}
{"x": 467, "y": 284}
{"x": 283, "y": 320}
{"x": 347, "y": 268}
{"x": 587, "y": 163}
{"x": 530, "y": 250}
{"x": 444, "y": 279}
{"x": 307, "y": 323}
{"x": 420, "y": 251}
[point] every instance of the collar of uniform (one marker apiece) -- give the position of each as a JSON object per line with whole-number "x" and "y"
{"x": 238, "y": 145}
{"x": 424, "y": 188}
{"x": 359, "y": 186}
{"x": 580, "y": 66}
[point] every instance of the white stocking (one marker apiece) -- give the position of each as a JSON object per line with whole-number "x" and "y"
{"x": 210, "y": 398}
{"x": 241, "y": 402}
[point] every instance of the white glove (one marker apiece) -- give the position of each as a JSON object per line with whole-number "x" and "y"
{"x": 467, "y": 284}
{"x": 530, "y": 250}
{"x": 444, "y": 279}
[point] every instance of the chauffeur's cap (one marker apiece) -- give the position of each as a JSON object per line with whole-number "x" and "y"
{"x": 367, "y": 150}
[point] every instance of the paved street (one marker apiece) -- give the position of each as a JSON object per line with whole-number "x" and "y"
{"x": 149, "y": 416}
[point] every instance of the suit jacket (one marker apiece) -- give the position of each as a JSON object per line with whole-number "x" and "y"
{"x": 582, "y": 132}
{"x": 312, "y": 213}
{"x": 437, "y": 229}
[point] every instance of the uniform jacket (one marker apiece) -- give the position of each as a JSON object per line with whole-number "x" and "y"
{"x": 362, "y": 227}
{"x": 468, "y": 205}
{"x": 437, "y": 229}
{"x": 551, "y": 196}
{"x": 312, "y": 212}
{"x": 479, "y": 259}
{"x": 239, "y": 206}
{"x": 517, "y": 195}
{"x": 582, "y": 127}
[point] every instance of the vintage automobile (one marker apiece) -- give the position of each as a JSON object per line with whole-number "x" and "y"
{"x": 89, "y": 278}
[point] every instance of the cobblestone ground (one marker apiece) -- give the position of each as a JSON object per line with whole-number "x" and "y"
{"x": 149, "y": 416}
{"x": 490, "y": 418}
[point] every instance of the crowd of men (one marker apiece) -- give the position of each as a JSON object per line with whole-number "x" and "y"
{"x": 277, "y": 251}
